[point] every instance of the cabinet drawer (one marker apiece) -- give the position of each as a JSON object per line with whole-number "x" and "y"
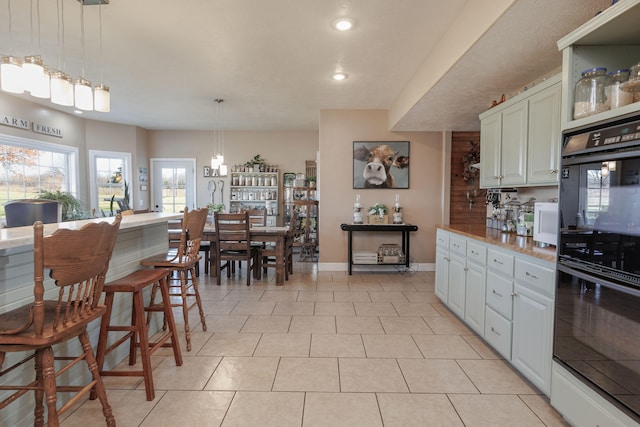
{"x": 458, "y": 245}
{"x": 476, "y": 253}
{"x": 535, "y": 276}
{"x": 500, "y": 262}
{"x": 500, "y": 294}
{"x": 497, "y": 332}
{"x": 442, "y": 239}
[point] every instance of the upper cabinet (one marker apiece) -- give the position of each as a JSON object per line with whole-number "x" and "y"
{"x": 520, "y": 139}
{"x": 612, "y": 40}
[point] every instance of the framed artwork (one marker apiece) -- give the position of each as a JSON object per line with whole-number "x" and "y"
{"x": 380, "y": 164}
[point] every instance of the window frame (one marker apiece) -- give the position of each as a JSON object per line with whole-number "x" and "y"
{"x": 127, "y": 174}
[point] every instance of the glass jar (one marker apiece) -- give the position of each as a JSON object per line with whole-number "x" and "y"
{"x": 616, "y": 97}
{"x": 589, "y": 97}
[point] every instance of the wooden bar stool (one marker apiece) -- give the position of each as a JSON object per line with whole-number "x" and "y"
{"x": 138, "y": 331}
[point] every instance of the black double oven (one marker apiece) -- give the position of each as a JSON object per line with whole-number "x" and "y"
{"x": 597, "y": 326}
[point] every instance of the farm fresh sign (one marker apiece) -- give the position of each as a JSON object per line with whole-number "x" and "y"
{"x": 26, "y": 125}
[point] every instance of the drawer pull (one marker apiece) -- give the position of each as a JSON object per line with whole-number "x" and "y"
{"x": 495, "y": 331}
{"x": 498, "y": 294}
{"x": 466, "y": 269}
{"x": 447, "y": 259}
{"x": 533, "y": 276}
{"x": 498, "y": 262}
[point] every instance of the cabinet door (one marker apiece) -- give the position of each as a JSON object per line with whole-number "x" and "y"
{"x": 490, "y": 135}
{"x": 475, "y": 297}
{"x": 544, "y": 136}
{"x": 532, "y": 336}
{"x": 457, "y": 280}
{"x": 514, "y": 144}
{"x": 442, "y": 274}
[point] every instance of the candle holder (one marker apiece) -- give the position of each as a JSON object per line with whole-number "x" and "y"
{"x": 357, "y": 207}
{"x": 397, "y": 211}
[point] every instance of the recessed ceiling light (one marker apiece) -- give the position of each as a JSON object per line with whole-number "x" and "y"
{"x": 339, "y": 76}
{"x": 342, "y": 24}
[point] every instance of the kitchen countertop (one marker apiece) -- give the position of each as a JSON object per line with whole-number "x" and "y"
{"x": 511, "y": 241}
{"x": 23, "y": 236}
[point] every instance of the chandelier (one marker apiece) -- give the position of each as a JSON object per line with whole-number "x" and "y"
{"x": 30, "y": 74}
{"x": 217, "y": 160}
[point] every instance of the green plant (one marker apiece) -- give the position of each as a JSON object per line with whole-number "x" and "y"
{"x": 216, "y": 207}
{"x": 72, "y": 207}
{"x": 378, "y": 209}
{"x": 257, "y": 160}
{"x": 311, "y": 179}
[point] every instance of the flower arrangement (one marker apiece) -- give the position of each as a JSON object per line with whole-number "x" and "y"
{"x": 215, "y": 207}
{"x": 472, "y": 157}
{"x": 379, "y": 209}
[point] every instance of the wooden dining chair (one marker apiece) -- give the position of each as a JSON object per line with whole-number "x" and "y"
{"x": 257, "y": 217}
{"x": 183, "y": 261}
{"x": 233, "y": 243}
{"x": 77, "y": 261}
{"x": 267, "y": 255}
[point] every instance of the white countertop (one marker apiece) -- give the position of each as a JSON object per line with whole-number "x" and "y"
{"x": 23, "y": 236}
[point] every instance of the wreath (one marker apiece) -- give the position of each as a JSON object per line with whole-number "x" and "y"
{"x": 470, "y": 174}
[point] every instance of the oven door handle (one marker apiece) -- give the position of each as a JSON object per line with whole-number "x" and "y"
{"x": 630, "y": 289}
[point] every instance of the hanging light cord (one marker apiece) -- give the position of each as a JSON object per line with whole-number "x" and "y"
{"x": 10, "y": 31}
{"x": 82, "y": 34}
{"x": 100, "y": 30}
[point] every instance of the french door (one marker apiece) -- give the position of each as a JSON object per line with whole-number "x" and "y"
{"x": 173, "y": 185}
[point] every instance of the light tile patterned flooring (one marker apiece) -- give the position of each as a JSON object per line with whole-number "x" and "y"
{"x": 327, "y": 349}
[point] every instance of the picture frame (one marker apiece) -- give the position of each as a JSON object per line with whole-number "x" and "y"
{"x": 381, "y": 164}
{"x": 206, "y": 171}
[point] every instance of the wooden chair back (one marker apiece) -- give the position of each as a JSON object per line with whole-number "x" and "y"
{"x": 78, "y": 261}
{"x": 232, "y": 232}
{"x": 257, "y": 217}
{"x": 191, "y": 234}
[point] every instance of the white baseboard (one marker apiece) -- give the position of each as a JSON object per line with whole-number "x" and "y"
{"x": 338, "y": 266}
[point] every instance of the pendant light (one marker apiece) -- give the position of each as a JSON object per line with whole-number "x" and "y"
{"x": 32, "y": 67}
{"x": 61, "y": 83}
{"x": 101, "y": 93}
{"x": 11, "y": 75}
{"x": 217, "y": 160}
{"x": 83, "y": 90}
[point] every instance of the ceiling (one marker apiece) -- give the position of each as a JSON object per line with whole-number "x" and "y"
{"x": 166, "y": 61}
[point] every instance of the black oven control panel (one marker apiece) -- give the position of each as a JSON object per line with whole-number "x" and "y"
{"x": 602, "y": 139}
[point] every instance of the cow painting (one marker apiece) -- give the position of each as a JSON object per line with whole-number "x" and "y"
{"x": 381, "y": 164}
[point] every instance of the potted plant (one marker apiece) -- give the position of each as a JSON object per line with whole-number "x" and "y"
{"x": 378, "y": 214}
{"x": 72, "y": 207}
{"x": 257, "y": 160}
{"x": 215, "y": 207}
{"x": 312, "y": 181}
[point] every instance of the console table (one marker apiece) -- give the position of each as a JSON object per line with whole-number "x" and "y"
{"x": 405, "y": 229}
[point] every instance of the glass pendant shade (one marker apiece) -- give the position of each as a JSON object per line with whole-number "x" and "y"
{"x": 102, "y": 98}
{"x": 220, "y": 158}
{"x": 83, "y": 92}
{"x": 42, "y": 88}
{"x": 61, "y": 89}
{"x": 11, "y": 75}
{"x": 33, "y": 72}
{"x": 215, "y": 164}
{"x": 223, "y": 170}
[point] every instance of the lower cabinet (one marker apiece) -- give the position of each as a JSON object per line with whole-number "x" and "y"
{"x": 505, "y": 297}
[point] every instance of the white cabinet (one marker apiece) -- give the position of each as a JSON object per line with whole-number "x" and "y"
{"x": 475, "y": 286}
{"x": 608, "y": 40}
{"x": 519, "y": 139}
{"x": 442, "y": 265}
{"x": 543, "y": 152}
{"x": 457, "y": 274}
{"x": 514, "y": 144}
{"x": 532, "y": 336}
{"x": 533, "y": 322}
{"x": 442, "y": 274}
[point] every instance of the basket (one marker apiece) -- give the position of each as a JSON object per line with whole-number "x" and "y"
{"x": 364, "y": 257}
{"x": 377, "y": 219}
{"x": 390, "y": 253}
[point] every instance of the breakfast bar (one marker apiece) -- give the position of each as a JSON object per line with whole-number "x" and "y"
{"x": 139, "y": 236}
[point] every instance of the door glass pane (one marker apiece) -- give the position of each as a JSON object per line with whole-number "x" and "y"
{"x": 109, "y": 183}
{"x": 174, "y": 196}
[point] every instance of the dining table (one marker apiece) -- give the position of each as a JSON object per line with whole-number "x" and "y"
{"x": 264, "y": 234}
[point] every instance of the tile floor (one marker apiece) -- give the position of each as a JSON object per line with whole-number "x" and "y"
{"x": 327, "y": 349}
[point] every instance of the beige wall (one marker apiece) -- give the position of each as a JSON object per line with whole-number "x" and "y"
{"x": 421, "y": 202}
{"x": 287, "y": 149}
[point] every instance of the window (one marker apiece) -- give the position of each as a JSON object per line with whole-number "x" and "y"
{"x": 28, "y": 167}
{"x": 110, "y": 173}
{"x": 597, "y": 194}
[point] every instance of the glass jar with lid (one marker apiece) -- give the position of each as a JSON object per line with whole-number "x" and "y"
{"x": 616, "y": 97}
{"x": 589, "y": 96}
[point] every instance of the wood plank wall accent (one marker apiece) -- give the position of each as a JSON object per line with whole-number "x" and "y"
{"x": 459, "y": 205}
